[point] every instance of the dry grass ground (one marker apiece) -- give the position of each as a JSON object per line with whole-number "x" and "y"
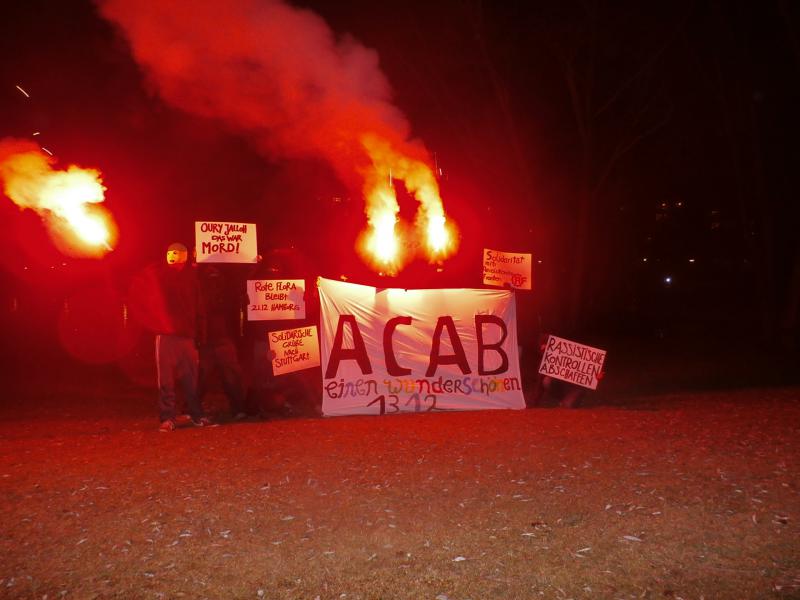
{"x": 681, "y": 496}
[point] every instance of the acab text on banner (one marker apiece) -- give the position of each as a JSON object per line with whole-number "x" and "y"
{"x": 393, "y": 350}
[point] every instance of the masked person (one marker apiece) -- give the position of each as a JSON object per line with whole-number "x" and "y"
{"x": 178, "y": 329}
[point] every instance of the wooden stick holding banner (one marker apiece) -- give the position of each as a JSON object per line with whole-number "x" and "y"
{"x": 572, "y": 362}
{"x": 507, "y": 268}
{"x": 295, "y": 349}
{"x": 220, "y": 242}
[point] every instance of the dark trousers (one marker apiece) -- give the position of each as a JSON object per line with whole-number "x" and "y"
{"x": 221, "y": 356}
{"x": 288, "y": 394}
{"x": 550, "y": 391}
{"x": 264, "y": 383}
{"x": 176, "y": 361}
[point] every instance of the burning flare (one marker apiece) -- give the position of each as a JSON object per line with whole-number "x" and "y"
{"x": 281, "y": 76}
{"x": 68, "y": 201}
{"x": 383, "y": 241}
{"x": 433, "y": 235}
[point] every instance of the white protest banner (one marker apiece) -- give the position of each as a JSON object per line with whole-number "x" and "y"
{"x": 217, "y": 242}
{"x": 391, "y": 350}
{"x": 275, "y": 299}
{"x": 572, "y": 362}
{"x": 295, "y": 349}
{"x": 501, "y": 268}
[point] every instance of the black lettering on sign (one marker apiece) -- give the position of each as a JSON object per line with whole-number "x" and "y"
{"x": 358, "y": 353}
{"x": 417, "y": 403}
{"x": 480, "y": 320}
{"x": 394, "y": 369}
{"x": 382, "y": 400}
{"x": 458, "y": 357}
{"x": 433, "y": 399}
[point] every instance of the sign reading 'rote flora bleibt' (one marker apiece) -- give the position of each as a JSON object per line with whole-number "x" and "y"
{"x": 275, "y": 299}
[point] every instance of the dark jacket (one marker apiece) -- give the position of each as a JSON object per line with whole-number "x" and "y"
{"x": 180, "y": 295}
{"x": 223, "y": 302}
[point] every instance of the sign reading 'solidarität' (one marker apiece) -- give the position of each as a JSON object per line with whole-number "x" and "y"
{"x": 507, "y": 268}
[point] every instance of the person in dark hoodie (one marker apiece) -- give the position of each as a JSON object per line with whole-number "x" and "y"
{"x": 178, "y": 325}
{"x": 292, "y": 393}
{"x": 223, "y": 303}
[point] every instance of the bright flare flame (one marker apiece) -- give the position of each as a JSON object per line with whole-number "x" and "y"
{"x": 67, "y": 200}
{"x": 383, "y": 242}
{"x": 433, "y": 235}
{"x": 69, "y": 194}
{"x": 438, "y": 237}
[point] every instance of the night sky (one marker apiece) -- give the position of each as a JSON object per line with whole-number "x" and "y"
{"x": 593, "y": 135}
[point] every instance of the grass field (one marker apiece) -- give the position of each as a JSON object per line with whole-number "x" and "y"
{"x": 688, "y": 495}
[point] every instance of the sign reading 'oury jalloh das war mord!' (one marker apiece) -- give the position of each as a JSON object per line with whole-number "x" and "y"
{"x": 220, "y": 242}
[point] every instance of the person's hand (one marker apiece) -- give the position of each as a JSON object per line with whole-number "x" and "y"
{"x": 273, "y": 355}
{"x": 543, "y": 342}
{"x": 599, "y": 375}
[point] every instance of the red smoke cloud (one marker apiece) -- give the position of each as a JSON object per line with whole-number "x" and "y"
{"x": 279, "y": 75}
